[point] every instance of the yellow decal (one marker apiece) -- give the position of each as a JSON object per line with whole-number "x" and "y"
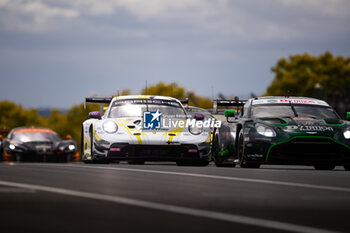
{"x": 86, "y": 146}
{"x": 96, "y": 136}
{"x": 143, "y": 96}
{"x": 174, "y": 133}
{"x": 134, "y": 132}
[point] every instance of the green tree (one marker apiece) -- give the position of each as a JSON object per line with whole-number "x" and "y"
{"x": 13, "y": 115}
{"x": 326, "y": 77}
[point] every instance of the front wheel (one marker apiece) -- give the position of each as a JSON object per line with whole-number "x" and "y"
{"x": 93, "y": 160}
{"x": 18, "y": 158}
{"x": 193, "y": 163}
{"x": 327, "y": 167}
{"x": 243, "y": 163}
{"x": 136, "y": 162}
{"x": 215, "y": 152}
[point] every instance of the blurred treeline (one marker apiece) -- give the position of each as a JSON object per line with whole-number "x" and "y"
{"x": 13, "y": 115}
{"x": 324, "y": 77}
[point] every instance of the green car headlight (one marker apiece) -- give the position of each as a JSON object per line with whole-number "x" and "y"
{"x": 265, "y": 130}
{"x": 110, "y": 126}
{"x": 346, "y": 133}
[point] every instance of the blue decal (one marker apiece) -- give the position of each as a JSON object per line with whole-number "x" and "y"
{"x": 151, "y": 120}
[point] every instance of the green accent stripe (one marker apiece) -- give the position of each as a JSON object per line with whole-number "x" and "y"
{"x": 275, "y": 144}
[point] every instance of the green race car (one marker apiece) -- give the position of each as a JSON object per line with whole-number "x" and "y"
{"x": 282, "y": 130}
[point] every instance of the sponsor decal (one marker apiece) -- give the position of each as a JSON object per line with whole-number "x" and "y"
{"x": 263, "y": 139}
{"x": 315, "y": 128}
{"x": 287, "y": 100}
{"x": 155, "y": 120}
{"x": 152, "y": 120}
{"x": 169, "y": 123}
{"x": 311, "y": 128}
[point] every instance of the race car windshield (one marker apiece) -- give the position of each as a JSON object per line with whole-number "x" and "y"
{"x": 35, "y": 137}
{"x": 312, "y": 111}
{"x": 136, "y": 110}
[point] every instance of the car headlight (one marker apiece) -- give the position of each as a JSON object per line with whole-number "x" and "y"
{"x": 110, "y": 126}
{"x": 346, "y": 133}
{"x": 265, "y": 130}
{"x": 12, "y": 147}
{"x": 71, "y": 147}
{"x": 195, "y": 130}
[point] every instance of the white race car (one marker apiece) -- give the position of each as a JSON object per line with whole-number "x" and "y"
{"x": 145, "y": 128}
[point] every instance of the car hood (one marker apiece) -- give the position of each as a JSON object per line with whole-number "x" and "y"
{"x": 304, "y": 125}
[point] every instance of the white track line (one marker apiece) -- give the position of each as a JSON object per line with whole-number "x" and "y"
{"x": 273, "y": 182}
{"x": 174, "y": 209}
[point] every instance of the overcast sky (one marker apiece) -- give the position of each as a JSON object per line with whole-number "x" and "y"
{"x": 56, "y": 52}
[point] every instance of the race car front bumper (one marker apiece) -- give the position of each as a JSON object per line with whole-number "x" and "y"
{"x": 147, "y": 152}
{"x": 34, "y": 156}
{"x": 298, "y": 150}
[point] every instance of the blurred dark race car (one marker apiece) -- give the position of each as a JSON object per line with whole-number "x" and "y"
{"x": 282, "y": 130}
{"x": 37, "y": 144}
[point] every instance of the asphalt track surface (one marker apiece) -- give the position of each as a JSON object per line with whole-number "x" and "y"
{"x": 162, "y": 197}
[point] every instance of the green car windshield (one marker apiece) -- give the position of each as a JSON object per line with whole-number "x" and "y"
{"x": 312, "y": 111}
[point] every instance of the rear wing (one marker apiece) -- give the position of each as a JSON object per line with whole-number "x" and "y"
{"x": 231, "y": 103}
{"x": 97, "y": 100}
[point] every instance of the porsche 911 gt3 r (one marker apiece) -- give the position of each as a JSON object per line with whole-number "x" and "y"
{"x": 283, "y": 130}
{"x": 144, "y": 128}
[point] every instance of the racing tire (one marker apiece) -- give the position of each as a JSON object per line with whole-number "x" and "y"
{"x": 215, "y": 152}
{"x": 324, "y": 167}
{"x": 82, "y": 147}
{"x": 2, "y": 156}
{"x": 82, "y": 143}
{"x": 347, "y": 167}
{"x": 243, "y": 163}
{"x": 18, "y": 158}
{"x": 201, "y": 163}
{"x": 67, "y": 158}
{"x": 95, "y": 161}
{"x": 135, "y": 162}
{"x": 100, "y": 161}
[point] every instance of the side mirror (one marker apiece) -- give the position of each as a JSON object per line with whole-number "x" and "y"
{"x": 198, "y": 116}
{"x": 348, "y": 116}
{"x": 230, "y": 116}
{"x": 230, "y": 113}
{"x": 95, "y": 115}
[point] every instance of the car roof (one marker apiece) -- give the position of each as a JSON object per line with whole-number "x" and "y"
{"x": 287, "y": 100}
{"x": 156, "y": 97}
